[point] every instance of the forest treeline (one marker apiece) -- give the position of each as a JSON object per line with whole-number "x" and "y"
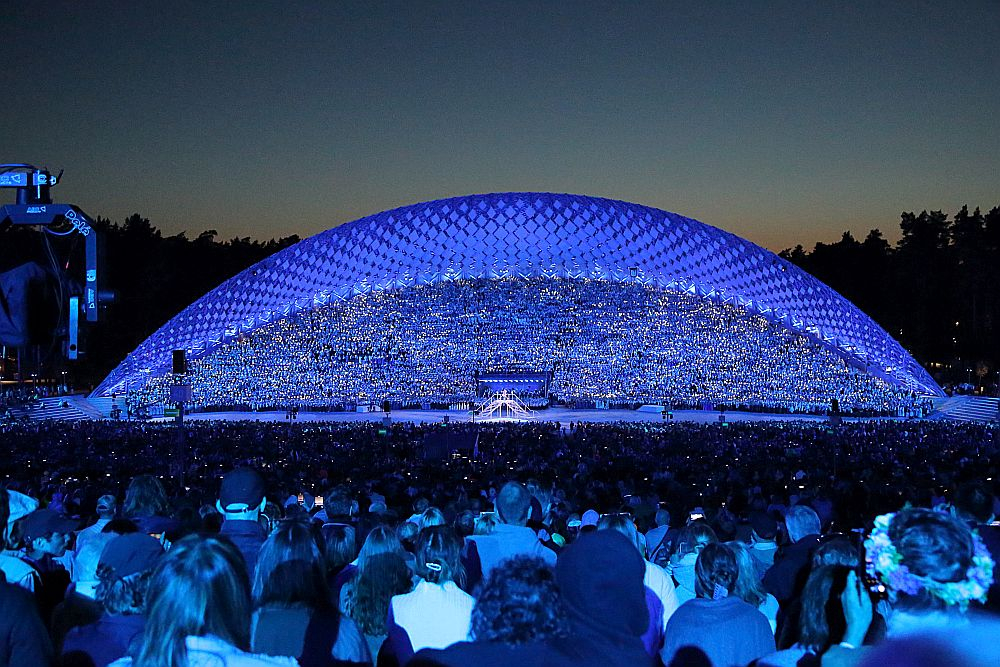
{"x": 936, "y": 290}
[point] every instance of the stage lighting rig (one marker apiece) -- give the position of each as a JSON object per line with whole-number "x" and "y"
{"x": 33, "y": 206}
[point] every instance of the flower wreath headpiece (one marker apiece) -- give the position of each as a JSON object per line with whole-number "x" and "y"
{"x": 884, "y": 562}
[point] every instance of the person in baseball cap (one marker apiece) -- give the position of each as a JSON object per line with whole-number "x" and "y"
{"x": 46, "y": 532}
{"x": 45, "y": 535}
{"x": 241, "y": 500}
{"x": 242, "y": 491}
{"x": 129, "y": 554}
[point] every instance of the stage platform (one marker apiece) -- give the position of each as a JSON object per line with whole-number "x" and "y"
{"x": 563, "y": 415}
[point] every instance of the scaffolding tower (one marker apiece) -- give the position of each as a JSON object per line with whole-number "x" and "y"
{"x": 504, "y": 405}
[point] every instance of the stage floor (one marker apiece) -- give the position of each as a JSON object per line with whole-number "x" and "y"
{"x": 562, "y": 415}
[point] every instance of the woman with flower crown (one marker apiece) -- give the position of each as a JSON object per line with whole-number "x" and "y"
{"x": 932, "y": 566}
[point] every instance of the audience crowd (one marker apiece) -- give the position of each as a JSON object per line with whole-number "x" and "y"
{"x": 617, "y": 343}
{"x": 239, "y": 543}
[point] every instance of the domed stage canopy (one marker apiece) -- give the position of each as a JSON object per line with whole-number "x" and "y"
{"x": 523, "y": 236}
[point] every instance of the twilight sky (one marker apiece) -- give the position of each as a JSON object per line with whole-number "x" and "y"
{"x": 783, "y": 122}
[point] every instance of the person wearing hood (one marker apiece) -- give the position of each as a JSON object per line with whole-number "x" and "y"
{"x": 661, "y": 595}
{"x": 14, "y": 506}
{"x": 600, "y": 578}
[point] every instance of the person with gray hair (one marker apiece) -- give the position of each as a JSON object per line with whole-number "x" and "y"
{"x": 510, "y": 536}
{"x": 786, "y": 578}
{"x": 801, "y": 521}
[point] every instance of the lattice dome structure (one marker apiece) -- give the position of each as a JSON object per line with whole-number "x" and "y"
{"x": 522, "y": 235}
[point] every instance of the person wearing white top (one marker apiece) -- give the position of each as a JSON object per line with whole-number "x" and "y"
{"x": 657, "y": 580}
{"x": 437, "y": 613}
{"x": 90, "y": 542}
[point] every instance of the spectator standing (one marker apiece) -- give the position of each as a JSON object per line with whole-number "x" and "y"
{"x": 46, "y": 535}
{"x": 763, "y": 536}
{"x": 822, "y": 619}
{"x": 23, "y": 639}
{"x": 519, "y": 603}
{"x": 199, "y": 610}
{"x": 974, "y": 505}
{"x": 339, "y": 549}
{"x": 147, "y": 505}
{"x": 661, "y": 595}
{"x": 785, "y": 579}
{"x": 366, "y": 598}
{"x": 382, "y": 539}
{"x": 933, "y": 568}
{"x": 294, "y": 615}
{"x": 432, "y": 516}
{"x": 14, "y": 506}
{"x": 661, "y": 538}
{"x": 749, "y": 588}
{"x": 90, "y": 543}
{"x": 692, "y": 539}
{"x": 600, "y": 579}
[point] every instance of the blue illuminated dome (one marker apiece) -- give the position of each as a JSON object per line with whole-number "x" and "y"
{"x": 523, "y": 236}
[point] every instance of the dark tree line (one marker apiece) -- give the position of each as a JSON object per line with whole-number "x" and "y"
{"x": 937, "y": 291}
{"x": 157, "y": 276}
